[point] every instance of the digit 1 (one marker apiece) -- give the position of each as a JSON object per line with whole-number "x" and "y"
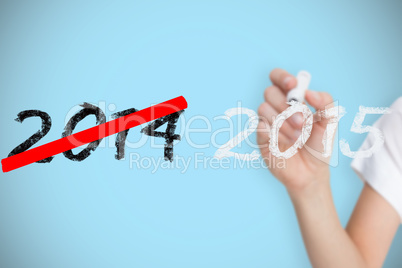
{"x": 122, "y": 136}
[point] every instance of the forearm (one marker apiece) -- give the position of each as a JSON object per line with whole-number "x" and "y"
{"x": 327, "y": 243}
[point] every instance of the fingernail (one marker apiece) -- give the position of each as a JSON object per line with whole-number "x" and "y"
{"x": 297, "y": 119}
{"x": 286, "y": 81}
{"x": 315, "y": 95}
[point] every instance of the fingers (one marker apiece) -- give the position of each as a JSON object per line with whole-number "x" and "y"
{"x": 263, "y": 136}
{"x": 283, "y": 79}
{"x": 277, "y": 99}
{"x": 268, "y": 114}
{"x": 274, "y": 96}
{"x": 275, "y": 103}
{"x": 263, "y": 129}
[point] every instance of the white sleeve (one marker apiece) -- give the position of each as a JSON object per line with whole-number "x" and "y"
{"x": 383, "y": 170}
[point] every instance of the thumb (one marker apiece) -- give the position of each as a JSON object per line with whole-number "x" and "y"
{"x": 320, "y": 101}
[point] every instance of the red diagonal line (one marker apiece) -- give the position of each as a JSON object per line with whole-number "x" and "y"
{"x": 94, "y": 133}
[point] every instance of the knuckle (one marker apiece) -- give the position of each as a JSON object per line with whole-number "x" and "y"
{"x": 268, "y": 92}
{"x": 261, "y": 109}
{"x": 272, "y": 95}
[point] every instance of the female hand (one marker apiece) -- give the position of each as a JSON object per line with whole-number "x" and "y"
{"x": 303, "y": 169}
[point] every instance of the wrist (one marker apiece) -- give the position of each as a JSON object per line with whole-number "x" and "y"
{"x": 313, "y": 188}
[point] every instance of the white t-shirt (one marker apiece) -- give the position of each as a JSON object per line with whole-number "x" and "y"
{"x": 383, "y": 170}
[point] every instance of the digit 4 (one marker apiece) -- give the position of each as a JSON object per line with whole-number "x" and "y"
{"x": 168, "y": 135}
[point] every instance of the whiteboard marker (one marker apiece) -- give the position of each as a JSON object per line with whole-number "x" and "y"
{"x": 303, "y": 81}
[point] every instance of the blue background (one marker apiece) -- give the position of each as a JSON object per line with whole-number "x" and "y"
{"x": 99, "y": 212}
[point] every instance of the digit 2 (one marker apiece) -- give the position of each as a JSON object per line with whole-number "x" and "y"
{"x": 46, "y": 125}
